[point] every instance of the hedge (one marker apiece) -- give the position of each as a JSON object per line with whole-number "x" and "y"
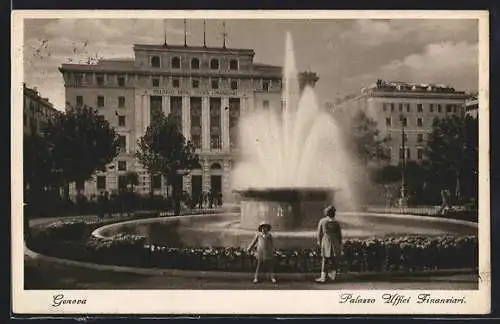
{"x": 72, "y": 240}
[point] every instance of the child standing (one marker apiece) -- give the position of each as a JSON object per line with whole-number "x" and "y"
{"x": 330, "y": 241}
{"x": 263, "y": 242}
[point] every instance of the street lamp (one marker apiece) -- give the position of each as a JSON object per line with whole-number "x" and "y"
{"x": 403, "y": 199}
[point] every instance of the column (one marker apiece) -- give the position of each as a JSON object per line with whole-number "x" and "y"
{"x": 205, "y": 123}
{"x": 225, "y": 123}
{"x": 205, "y": 164}
{"x": 186, "y": 118}
{"x": 166, "y": 105}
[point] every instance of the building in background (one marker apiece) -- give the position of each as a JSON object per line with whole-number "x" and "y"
{"x": 207, "y": 88}
{"x": 37, "y": 111}
{"x": 471, "y": 106}
{"x": 394, "y": 105}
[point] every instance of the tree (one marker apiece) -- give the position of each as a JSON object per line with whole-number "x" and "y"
{"x": 164, "y": 150}
{"x": 452, "y": 151}
{"x": 366, "y": 143}
{"x": 131, "y": 179}
{"x": 82, "y": 142}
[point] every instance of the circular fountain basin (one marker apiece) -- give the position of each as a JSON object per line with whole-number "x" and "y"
{"x": 224, "y": 230}
{"x": 284, "y": 209}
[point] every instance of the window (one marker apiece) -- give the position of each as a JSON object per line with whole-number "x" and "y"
{"x": 392, "y": 107}
{"x": 101, "y": 182}
{"x": 420, "y": 108}
{"x": 121, "y": 121}
{"x": 431, "y": 107}
{"x": 215, "y": 84}
{"x": 448, "y": 108}
{"x": 195, "y": 64}
{"x": 121, "y": 102}
{"x": 265, "y": 104}
{"x": 79, "y": 101}
{"x": 400, "y": 107}
{"x": 175, "y": 83}
{"x": 121, "y": 81}
{"x": 156, "y": 182}
{"x": 176, "y": 63}
{"x": 195, "y": 84}
{"x": 215, "y": 142}
{"x": 455, "y": 109}
{"x": 214, "y": 64}
{"x": 420, "y": 121}
{"x": 420, "y": 138}
{"x": 408, "y": 155}
{"x": 100, "y": 80}
{"x": 100, "y": 101}
{"x": 384, "y": 106}
{"x": 122, "y": 182}
{"x": 420, "y": 153}
{"x": 155, "y": 61}
{"x": 78, "y": 79}
{"x": 122, "y": 143}
{"x": 122, "y": 165}
{"x": 233, "y": 65}
{"x": 196, "y": 139}
{"x": 156, "y": 82}
{"x": 234, "y": 85}
{"x": 265, "y": 85}
{"x": 401, "y": 153}
{"x": 404, "y": 121}
{"x": 439, "y": 108}
{"x": 388, "y": 137}
{"x": 408, "y": 107}
{"x": 388, "y": 121}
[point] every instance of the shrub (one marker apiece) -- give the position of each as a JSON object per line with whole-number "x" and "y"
{"x": 391, "y": 253}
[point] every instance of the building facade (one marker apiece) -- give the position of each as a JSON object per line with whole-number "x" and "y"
{"x": 404, "y": 108}
{"x": 37, "y": 111}
{"x": 206, "y": 88}
{"x": 471, "y": 106}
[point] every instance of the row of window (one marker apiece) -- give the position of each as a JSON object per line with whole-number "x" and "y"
{"x": 404, "y": 121}
{"x": 156, "y": 182}
{"x": 420, "y": 107}
{"x": 155, "y": 82}
{"x": 420, "y": 137}
{"x": 175, "y": 63}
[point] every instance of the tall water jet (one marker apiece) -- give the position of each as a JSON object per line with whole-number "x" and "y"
{"x": 292, "y": 157}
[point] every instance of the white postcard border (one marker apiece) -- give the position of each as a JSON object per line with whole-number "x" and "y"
{"x": 241, "y": 301}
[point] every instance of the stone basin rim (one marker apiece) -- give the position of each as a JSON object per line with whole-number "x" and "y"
{"x": 284, "y": 189}
{"x": 97, "y": 232}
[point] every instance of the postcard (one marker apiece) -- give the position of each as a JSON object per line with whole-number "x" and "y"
{"x": 250, "y": 162}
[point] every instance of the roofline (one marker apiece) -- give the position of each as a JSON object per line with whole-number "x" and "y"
{"x": 163, "y": 48}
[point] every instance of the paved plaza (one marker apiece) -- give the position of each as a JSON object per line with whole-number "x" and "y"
{"x": 40, "y": 275}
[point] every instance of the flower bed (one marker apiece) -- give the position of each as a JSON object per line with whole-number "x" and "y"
{"x": 72, "y": 240}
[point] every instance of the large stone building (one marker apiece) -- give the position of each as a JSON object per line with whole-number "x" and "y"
{"x": 37, "y": 111}
{"x": 398, "y": 105}
{"x": 207, "y": 88}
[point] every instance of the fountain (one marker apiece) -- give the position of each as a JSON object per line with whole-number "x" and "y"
{"x": 292, "y": 165}
{"x": 292, "y": 158}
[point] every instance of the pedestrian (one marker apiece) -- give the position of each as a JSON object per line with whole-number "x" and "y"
{"x": 264, "y": 251}
{"x": 210, "y": 199}
{"x": 329, "y": 237}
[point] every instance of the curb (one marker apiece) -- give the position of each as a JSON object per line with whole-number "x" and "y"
{"x": 240, "y": 275}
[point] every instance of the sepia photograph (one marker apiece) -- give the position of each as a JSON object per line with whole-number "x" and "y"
{"x": 204, "y": 162}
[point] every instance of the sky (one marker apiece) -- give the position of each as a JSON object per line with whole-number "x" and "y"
{"x": 346, "y": 54}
